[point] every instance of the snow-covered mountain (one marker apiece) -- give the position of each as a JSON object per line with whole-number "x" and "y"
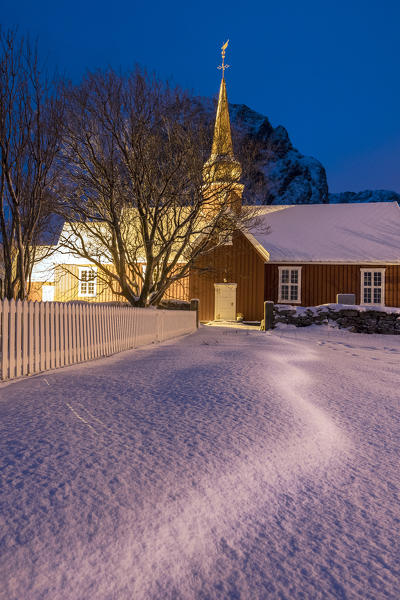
{"x": 365, "y": 196}
{"x": 274, "y": 172}
{"x": 279, "y": 173}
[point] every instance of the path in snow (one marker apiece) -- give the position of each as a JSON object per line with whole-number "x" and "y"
{"x": 227, "y": 464}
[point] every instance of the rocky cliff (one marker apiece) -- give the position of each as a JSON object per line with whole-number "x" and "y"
{"x": 274, "y": 172}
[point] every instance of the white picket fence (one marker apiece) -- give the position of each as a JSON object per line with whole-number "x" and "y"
{"x": 37, "y": 336}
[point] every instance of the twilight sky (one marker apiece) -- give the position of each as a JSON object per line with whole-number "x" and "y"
{"x": 328, "y": 71}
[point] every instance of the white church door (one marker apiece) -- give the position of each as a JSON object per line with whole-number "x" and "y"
{"x": 225, "y": 301}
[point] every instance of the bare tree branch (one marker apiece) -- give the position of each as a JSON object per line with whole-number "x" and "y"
{"x": 134, "y": 190}
{"x": 30, "y": 127}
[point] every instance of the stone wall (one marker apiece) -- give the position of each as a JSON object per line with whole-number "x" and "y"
{"x": 358, "y": 319}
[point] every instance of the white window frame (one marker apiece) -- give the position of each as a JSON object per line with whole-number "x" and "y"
{"x": 87, "y": 294}
{"x": 289, "y": 268}
{"x": 372, "y": 286}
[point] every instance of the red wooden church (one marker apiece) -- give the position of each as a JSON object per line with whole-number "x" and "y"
{"x": 297, "y": 254}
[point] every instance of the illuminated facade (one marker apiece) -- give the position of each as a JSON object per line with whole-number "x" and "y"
{"x": 299, "y": 254}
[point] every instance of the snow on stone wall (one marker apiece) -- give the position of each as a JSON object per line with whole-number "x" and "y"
{"x": 359, "y": 319}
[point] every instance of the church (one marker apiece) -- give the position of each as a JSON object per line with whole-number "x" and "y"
{"x": 294, "y": 254}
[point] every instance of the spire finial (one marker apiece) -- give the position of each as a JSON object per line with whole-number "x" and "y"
{"x": 224, "y": 66}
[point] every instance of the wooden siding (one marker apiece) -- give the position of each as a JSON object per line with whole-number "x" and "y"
{"x": 66, "y": 278}
{"x": 35, "y": 292}
{"x": 237, "y": 263}
{"x": 321, "y": 283}
{"x": 66, "y": 286}
{"x": 178, "y": 290}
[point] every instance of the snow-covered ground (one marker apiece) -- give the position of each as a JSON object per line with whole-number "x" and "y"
{"x": 227, "y": 464}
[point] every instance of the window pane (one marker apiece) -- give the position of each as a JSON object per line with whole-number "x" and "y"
{"x": 83, "y": 287}
{"x": 285, "y": 292}
{"x": 285, "y": 276}
{"x": 377, "y": 278}
{"x": 367, "y": 278}
{"x": 91, "y": 288}
{"x": 377, "y": 295}
{"x": 294, "y": 292}
{"x": 83, "y": 275}
{"x": 367, "y": 295}
{"x": 294, "y": 276}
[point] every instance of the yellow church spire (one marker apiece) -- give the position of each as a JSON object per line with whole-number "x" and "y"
{"x": 222, "y": 165}
{"x": 221, "y": 173}
{"x": 222, "y": 141}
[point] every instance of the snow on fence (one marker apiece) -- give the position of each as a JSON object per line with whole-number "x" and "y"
{"x": 36, "y": 336}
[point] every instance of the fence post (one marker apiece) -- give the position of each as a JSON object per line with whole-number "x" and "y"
{"x": 268, "y": 316}
{"x": 194, "y": 305}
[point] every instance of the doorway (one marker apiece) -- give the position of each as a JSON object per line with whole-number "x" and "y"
{"x": 225, "y": 301}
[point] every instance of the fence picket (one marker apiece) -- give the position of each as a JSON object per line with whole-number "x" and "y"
{"x": 24, "y": 325}
{"x": 102, "y": 353}
{"x": 11, "y": 321}
{"x": 96, "y": 331}
{"x": 31, "y": 339}
{"x": 57, "y": 360}
{"x": 74, "y": 334}
{"x": 52, "y": 336}
{"x": 18, "y": 338}
{"x": 46, "y": 335}
{"x": 84, "y": 333}
{"x": 62, "y": 330}
{"x": 5, "y": 357}
{"x": 79, "y": 333}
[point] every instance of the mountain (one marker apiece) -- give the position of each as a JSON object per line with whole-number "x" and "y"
{"x": 274, "y": 172}
{"x": 365, "y": 196}
{"x": 278, "y": 173}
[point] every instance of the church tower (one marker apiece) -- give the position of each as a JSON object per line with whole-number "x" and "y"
{"x": 221, "y": 173}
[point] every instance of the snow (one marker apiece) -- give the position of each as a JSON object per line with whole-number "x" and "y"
{"x": 316, "y": 310}
{"x": 348, "y": 233}
{"x": 227, "y": 464}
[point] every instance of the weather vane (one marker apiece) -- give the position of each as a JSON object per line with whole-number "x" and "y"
{"x": 224, "y": 66}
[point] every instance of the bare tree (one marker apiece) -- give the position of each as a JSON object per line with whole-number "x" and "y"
{"x": 30, "y": 119}
{"x": 135, "y": 195}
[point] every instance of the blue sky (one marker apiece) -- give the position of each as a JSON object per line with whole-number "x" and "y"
{"x": 326, "y": 70}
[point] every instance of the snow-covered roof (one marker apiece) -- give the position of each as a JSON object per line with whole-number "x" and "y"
{"x": 336, "y": 233}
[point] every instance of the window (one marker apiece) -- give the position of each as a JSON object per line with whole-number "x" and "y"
{"x": 289, "y": 285}
{"x": 87, "y": 281}
{"x": 373, "y": 286}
